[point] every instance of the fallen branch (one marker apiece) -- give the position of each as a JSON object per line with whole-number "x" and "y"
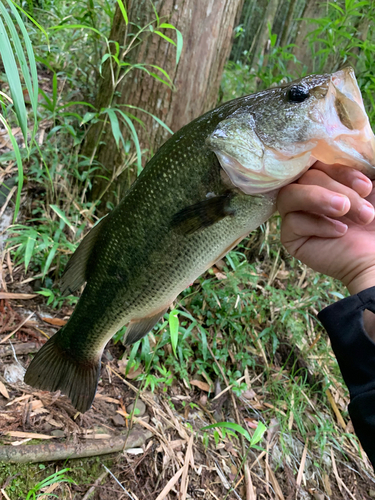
{"x": 48, "y": 452}
{"x": 25, "y": 348}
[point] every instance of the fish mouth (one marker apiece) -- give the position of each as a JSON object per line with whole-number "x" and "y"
{"x": 349, "y": 139}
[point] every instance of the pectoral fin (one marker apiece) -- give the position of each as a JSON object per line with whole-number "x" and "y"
{"x": 203, "y": 214}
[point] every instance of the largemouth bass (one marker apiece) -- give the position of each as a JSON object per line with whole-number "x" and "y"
{"x": 207, "y": 187}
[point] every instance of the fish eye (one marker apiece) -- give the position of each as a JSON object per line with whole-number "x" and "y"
{"x": 298, "y": 94}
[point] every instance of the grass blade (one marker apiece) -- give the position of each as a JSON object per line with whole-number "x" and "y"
{"x": 61, "y": 214}
{"x": 123, "y": 11}
{"x": 173, "y": 327}
{"x": 135, "y": 139}
{"x": 13, "y": 77}
{"x": 153, "y": 116}
{"x": 115, "y": 125}
{"x": 31, "y": 84}
{"x": 34, "y": 22}
{"x": 17, "y": 153}
{"x": 231, "y": 426}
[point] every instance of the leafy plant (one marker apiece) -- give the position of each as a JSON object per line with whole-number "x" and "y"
{"x": 57, "y": 477}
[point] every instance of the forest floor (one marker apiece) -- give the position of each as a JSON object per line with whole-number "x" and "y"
{"x": 166, "y": 455}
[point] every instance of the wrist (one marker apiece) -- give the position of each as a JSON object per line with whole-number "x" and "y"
{"x": 364, "y": 280}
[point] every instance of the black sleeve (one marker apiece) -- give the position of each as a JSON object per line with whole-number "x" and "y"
{"x": 355, "y": 353}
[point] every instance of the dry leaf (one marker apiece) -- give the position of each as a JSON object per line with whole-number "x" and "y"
{"x": 6, "y": 295}
{"x": 31, "y": 435}
{"x": 107, "y": 399}
{"x": 3, "y": 390}
{"x": 201, "y": 385}
{"x": 54, "y": 321}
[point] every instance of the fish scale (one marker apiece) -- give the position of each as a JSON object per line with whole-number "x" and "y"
{"x": 208, "y": 186}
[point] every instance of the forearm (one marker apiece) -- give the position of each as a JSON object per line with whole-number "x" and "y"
{"x": 355, "y": 353}
{"x": 358, "y": 284}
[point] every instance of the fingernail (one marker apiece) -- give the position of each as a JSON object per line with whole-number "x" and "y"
{"x": 340, "y": 227}
{"x": 339, "y": 203}
{"x": 361, "y": 186}
{"x": 366, "y": 213}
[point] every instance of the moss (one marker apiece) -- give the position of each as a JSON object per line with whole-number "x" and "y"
{"x": 26, "y": 476}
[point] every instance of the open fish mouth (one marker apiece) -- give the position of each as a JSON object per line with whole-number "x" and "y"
{"x": 350, "y": 140}
{"x": 315, "y": 118}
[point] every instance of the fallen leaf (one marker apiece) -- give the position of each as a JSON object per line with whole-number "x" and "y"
{"x": 6, "y": 295}
{"x": 54, "y": 321}
{"x": 108, "y": 399}
{"x": 201, "y": 385}
{"x": 31, "y": 435}
{"x": 3, "y": 390}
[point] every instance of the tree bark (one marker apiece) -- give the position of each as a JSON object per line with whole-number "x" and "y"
{"x": 302, "y": 51}
{"x": 269, "y": 18}
{"x": 207, "y": 29}
{"x": 287, "y": 24}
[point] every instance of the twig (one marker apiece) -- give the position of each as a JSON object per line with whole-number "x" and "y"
{"x": 25, "y": 348}
{"x": 118, "y": 482}
{"x": 91, "y": 490}
{"x": 16, "y": 330}
{"x": 7, "y": 200}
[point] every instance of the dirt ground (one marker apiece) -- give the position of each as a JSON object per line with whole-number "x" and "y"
{"x": 166, "y": 453}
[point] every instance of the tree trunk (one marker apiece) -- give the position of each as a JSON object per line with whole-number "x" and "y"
{"x": 269, "y": 18}
{"x": 287, "y": 24}
{"x": 302, "y": 51}
{"x": 207, "y": 29}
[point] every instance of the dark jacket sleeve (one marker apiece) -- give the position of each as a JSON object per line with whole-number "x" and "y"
{"x": 355, "y": 353}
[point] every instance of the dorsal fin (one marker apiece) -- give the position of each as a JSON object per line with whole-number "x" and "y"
{"x": 75, "y": 273}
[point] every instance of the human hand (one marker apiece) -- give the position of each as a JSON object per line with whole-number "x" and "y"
{"x": 329, "y": 225}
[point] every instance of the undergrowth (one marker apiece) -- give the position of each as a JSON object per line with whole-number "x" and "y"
{"x": 246, "y": 311}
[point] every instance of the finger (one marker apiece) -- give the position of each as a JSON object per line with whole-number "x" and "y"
{"x": 297, "y": 227}
{"x": 312, "y": 198}
{"x": 348, "y": 176}
{"x": 361, "y": 211}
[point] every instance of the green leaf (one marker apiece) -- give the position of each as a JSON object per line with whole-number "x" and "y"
{"x": 165, "y": 37}
{"x": 29, "y": 248}
{"x": 34, "y": 22}
{"x": 204, "y": 342}
{"x": 229, "y": 425}
{"x": 115, "y": 125}
{"x": 135, "y": 140}
{"x": 50, "y": 259}
{"x": 131, "y": 357}
{"x": 123, "y": 11}
{"x": 180, "y": 40}
{"x": 180, "y": 43}
{"x": 32, "y": 86}
{"x": 62, "y": 215}
{"x": 12, "y": 74}
{"x": 258, "y": 434}
{"x": 88, "y": 117}
{"x": 173, "y": 327}
{"x": 74, "y": 27}
{"x": 17, "y": 154}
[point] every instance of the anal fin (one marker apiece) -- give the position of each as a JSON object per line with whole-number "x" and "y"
{"x": 137, "y": 329}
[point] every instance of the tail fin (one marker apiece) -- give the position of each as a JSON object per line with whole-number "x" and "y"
{"x": 53, "y": 368}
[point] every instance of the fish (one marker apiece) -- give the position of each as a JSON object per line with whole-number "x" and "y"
{"x": 211, "y": 184}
